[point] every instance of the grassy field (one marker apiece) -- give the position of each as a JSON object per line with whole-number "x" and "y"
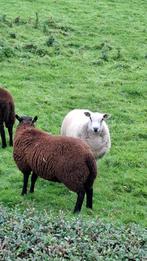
{"x": 60, "y": 55}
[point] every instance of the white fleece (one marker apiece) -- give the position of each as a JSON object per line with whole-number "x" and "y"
{"x": 77, "y": 124}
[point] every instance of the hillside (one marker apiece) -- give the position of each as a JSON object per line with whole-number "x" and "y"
{"x": 60, "y": 55}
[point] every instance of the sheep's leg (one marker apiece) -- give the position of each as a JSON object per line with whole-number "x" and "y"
{"x": 2, "y": 132}
{"x": 33, "y": 181}
{"x": 79, "y": 202}
{"x": 25, "y": 183}
{"x": 89, "y": 195}
{"x": 10, "y": 131}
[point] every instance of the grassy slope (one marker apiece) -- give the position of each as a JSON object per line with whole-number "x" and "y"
{"x": 87, "y": 54}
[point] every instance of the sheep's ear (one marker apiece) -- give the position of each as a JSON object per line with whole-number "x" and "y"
{"x": 35, "y": 119}
{"x": 87, "y": 114}
{"x": 18, "y": 118}
{"x": 106, "y": 116}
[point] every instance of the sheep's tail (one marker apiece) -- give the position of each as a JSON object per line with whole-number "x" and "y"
{"x": 91, "y": 163}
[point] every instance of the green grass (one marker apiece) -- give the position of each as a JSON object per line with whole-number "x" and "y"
{"x": 60, "y": 55}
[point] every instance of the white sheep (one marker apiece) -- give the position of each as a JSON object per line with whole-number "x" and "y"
{"x": 90, "y": 127}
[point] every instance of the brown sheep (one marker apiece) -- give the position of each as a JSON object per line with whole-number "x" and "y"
{"x": 55, "y": 158}
{"x": 7, "y": 116}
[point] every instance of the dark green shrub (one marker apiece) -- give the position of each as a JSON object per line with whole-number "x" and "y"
{"x": 41, "y": 236}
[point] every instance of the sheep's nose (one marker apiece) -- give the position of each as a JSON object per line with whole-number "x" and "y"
{"x": 95, "y": 129}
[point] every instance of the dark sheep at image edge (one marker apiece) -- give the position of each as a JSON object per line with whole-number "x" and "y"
{"x": 7, "y": 116}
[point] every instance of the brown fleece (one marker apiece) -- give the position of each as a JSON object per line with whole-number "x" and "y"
{"x": 55, "y": 158}
{"x": 7, "y": 114}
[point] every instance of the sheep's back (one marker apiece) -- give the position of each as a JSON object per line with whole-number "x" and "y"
{"x": 57, "y": 157}
{"x": 54, "y": 157}
{"x": 73, "y": 123}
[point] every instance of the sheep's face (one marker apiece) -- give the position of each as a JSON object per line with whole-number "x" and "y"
{"x": 26, "y": 120}
{"x": 95, "y": 124}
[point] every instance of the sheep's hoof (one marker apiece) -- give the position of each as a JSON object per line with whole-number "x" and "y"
{"x": 23, "y": 193}
{"x": 90, "y": 211}
{"x": 4, "y": 146}
{"x": 76, "y": 212}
